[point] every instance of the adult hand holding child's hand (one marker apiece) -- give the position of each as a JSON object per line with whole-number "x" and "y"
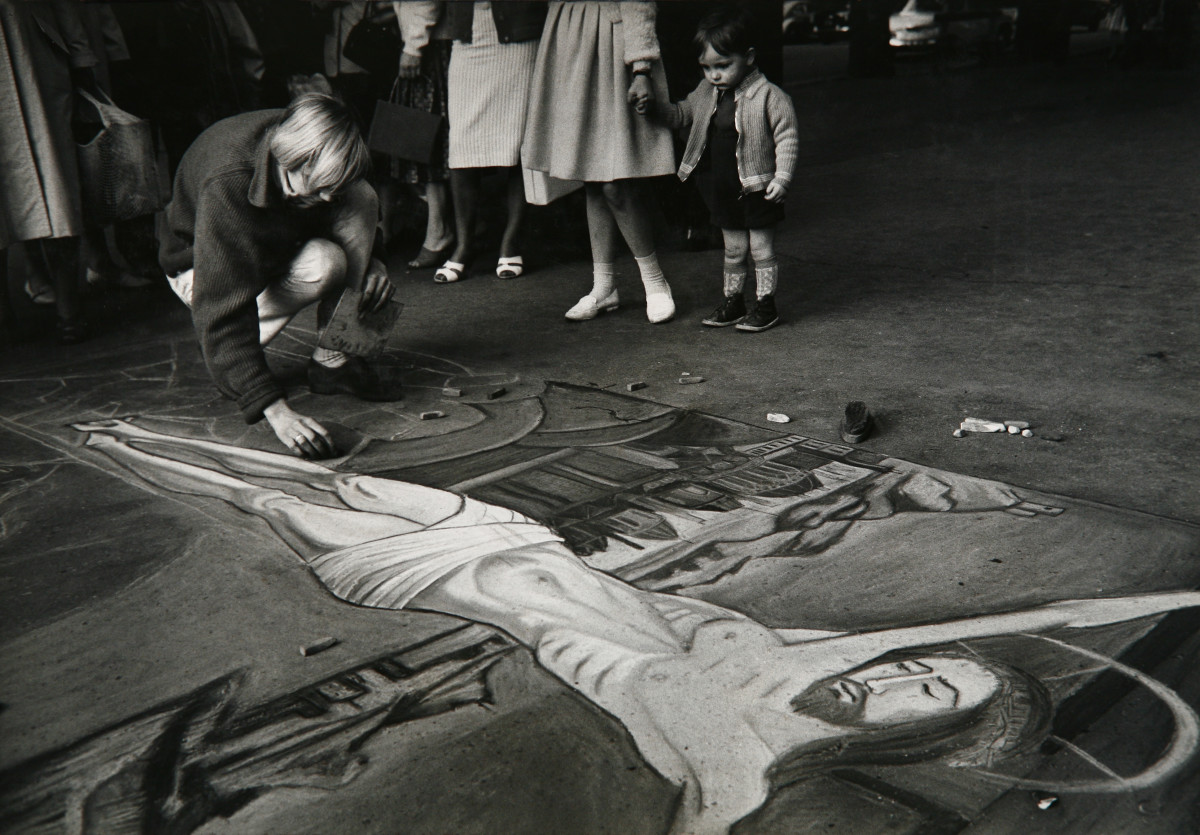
{"x": 641, "y": 95}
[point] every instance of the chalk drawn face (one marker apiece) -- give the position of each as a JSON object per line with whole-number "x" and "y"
{"x": 900, "y": 691}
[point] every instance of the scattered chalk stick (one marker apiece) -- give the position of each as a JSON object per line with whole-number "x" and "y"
{"x": 977, "y": 425}
{"x": 452, "y": 391}
{"x": 1013, "y": 430}
{"x": 635, "y": 386}
{"x": 496, "y": 393}
{"x": 776, "y": 417}
{"x": 690, "y": 379}
{"x": 958, "y": 433}
{"x": 1026, "y": 433}
{"x": 434, "y": 415}
{"x": 318, "y": 646}
{"x": 1020, "y": 424}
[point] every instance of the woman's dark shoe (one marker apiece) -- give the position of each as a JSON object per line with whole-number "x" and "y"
{"x": 730, "y": 312}
{"x": 354, "y": 377}
{"x": 429, "y": 258}
{"x": 763, "y": 316}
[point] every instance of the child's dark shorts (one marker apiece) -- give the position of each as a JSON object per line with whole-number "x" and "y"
{"x": 728, "y": 208}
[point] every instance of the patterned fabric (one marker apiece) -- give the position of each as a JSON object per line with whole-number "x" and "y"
{"x": 489, "y": 96}
{"x": 427, "y": 92}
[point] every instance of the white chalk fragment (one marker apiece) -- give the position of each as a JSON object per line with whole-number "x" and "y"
{"x": 1046, "y": 802}
{"x": 688, "y": 379}
{"x": 1012, "y": 430}
{"x": 638, "y": 386}
{"x": 979, "y": 425}
{"x": 776, "y": 417}
{"x": 433, "y": 415}
{"x": 1020, "y": 424}
{"x": 1026, "y": 433}
{"x": 318, "y": 646}
{"x": 958, "y": 433}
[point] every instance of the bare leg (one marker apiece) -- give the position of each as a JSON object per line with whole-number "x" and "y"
{"x": 630, "y": 215}
{"x": 438, "y": 233}
{"x": 602, "y": 226}
{"x": 509, "y": 246}
{"x": 464, "y": 186}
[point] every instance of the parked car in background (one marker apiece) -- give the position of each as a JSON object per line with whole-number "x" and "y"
{"x": 815, "y": 20}
{"x": 948, "y": 28}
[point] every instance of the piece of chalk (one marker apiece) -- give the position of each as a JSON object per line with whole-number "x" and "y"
{"x": 977, "y": 425}
{"x": 319, "y": 646}
{"x": 1020, "y": 424}
{"x": 1012, "y": 430}
{"x": 1026, "y": 433}
{"x": 776, "y": 417}
{"x": 497, "y": 392}
{"x": 434, "y": 415}
{"x": 958, "y": 433}
{"x": 689, "y": 379}
{"x": 1046, "y": 802}
{"x": 635, "y": 386}
{"x": 452, "y": 391}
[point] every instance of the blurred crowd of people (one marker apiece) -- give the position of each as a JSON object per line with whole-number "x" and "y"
{"x": 508, "y": 79}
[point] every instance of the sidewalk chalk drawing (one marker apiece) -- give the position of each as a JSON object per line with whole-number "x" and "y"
{"x": 660, "y": 620}
{"x": 681, "y": 577}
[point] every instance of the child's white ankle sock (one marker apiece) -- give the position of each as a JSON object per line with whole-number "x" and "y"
{"x": 766, "y": 276}
{"x": 652, "y": 275}
{"x": 328, "y": 358}
{"x": 602, "y": 280}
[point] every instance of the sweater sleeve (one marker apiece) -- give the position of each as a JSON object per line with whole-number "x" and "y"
{"x": 781, "y": 114}
{"x": 417, "y": 19}
{"x": 227, "y": 280}
{"x": 637, "y": 26}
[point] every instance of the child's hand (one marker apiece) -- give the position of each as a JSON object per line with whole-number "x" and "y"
{"x": 641, "y": 95}
{"x": 776, "y": 193}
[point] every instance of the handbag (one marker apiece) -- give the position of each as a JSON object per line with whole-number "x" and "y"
{"x": 118, "y": 167}
{"x": 404, "y": 132}
{"x": 375, "y": 46}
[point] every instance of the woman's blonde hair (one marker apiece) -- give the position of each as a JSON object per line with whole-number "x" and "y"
{"x": 320, "y": 137}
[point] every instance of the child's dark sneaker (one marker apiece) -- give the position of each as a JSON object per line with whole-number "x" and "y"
{"x": 730, "y": 312}
{"x": 763, "y": 316}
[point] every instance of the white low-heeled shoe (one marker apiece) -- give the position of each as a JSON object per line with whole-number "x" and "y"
{"x": 659, "y": 307}
{"x": 589, "y": 307}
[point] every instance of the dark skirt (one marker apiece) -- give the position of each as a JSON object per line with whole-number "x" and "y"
{"x": 427, "y": 92}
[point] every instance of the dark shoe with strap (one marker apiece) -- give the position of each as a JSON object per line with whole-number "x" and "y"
{"x": 354, "y": 378}
{"x": 856, "y": 423}
{"x": 763, "y": 316}
{"x": 730, "y": 312}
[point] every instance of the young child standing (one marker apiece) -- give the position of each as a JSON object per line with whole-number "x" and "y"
{"x": 742, "y": 148}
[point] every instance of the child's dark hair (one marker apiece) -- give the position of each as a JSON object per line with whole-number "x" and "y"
{"x": 728, "y": 29}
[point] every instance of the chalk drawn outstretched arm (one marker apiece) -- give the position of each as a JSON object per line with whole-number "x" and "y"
{"x": 1064, "y": 614}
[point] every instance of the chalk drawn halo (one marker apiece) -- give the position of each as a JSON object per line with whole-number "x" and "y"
{"x": 1184, "y": 740}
